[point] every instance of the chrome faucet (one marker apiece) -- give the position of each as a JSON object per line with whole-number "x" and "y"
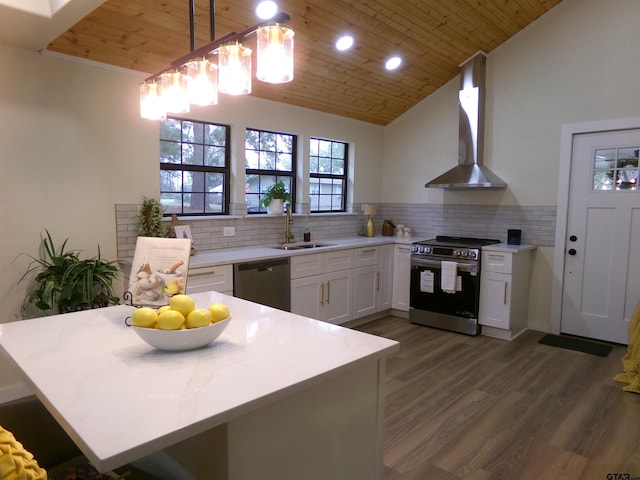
{"x": 288, "y": 221}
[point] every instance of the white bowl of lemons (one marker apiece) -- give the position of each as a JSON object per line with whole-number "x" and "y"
{"x": 180, "y": 325}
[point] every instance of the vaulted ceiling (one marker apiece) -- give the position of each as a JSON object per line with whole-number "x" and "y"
{"x": 433, "y": 36}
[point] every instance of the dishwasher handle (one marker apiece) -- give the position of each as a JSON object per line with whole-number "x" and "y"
{"x": 262, "y": 265}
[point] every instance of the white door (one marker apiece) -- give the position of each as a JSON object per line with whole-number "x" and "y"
{"x": 601, "y": 274}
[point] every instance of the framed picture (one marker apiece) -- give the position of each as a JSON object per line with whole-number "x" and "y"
{"x": 183, "y": 231}
{"x": 159, "y": 270}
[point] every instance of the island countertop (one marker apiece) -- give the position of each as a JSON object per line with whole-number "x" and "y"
{"x": 120, "y": 399}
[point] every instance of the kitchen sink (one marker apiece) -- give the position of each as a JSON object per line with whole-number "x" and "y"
{"x": 301, "y": 246}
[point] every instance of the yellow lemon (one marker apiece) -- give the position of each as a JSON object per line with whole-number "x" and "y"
{"x": 144, "y": 317}
{"x": 170, "y": 320}
{"x": 163, "y": 308}
{"x": 219, "y": 311}
{"x": 200, "y": 317}
{"x": 183, "y": 304}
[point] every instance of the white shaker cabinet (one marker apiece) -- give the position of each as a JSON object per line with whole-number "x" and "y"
{"x": 321, "y": 285}
{"x": 365, "y": 293}
{"x": 205, "y": 279}
{"x": 401, "y": 277}
{"x": 504, "y": 290}
{"x": 385, "y": 277}
{"x": 372, "y": 280}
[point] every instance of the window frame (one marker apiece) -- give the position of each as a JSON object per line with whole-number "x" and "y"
{"x": 278, "y": 174}
{"x": 342, "y": 177}
{"x": 182, "y": 167}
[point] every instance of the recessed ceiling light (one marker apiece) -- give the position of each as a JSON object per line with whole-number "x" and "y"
{"x": 345, "y": 42}
{"x": 266, "y": 9}
{"x": 393, "y": 62}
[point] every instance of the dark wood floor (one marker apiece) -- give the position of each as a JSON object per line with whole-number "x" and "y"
{"x": 479, "y": 408}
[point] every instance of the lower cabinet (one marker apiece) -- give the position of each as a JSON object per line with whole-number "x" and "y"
{"x": 401, "y": 277}
{"x": 321, "y": 285}
{"x": 372, "y": 284}
{"x": 324, "y": 297}
{"x": 504, "y": 290}
{"x": 365, "y": 292}
{"x": 206, "y": 279}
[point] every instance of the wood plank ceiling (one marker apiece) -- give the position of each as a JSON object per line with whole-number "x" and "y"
{"x": 432, "y": 36}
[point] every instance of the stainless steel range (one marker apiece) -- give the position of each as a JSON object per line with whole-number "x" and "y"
{"x": 445, "y": 283}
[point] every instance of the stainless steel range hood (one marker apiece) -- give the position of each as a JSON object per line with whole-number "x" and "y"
{"x": 470, "y": 171}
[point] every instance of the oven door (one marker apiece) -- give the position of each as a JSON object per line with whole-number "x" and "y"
{"x": 430, "y": 305}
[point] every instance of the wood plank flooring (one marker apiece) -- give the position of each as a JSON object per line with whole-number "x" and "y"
{"x": 479, "y": 408}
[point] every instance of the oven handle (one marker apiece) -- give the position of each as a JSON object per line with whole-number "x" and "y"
{"x": 423, "y": 262}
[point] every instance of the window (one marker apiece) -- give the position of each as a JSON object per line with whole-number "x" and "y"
{"x": 328, "y": 175}
{"x": 270, "y": 157}
{"x": 616, "y": 168}
{"x": 194, "y": 167}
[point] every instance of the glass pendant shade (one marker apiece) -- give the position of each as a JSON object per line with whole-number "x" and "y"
{"x": 234, "y": 69}
{"x": 275, "y": 54}
{"x": 150, "y": 103}
{"x": 174, "y": 93}
{"x": 203, "y": 82}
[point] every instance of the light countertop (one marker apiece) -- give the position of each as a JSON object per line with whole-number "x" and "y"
{"x": 249, "y": 254}
{"x": 506, "y": 247}
{"x": 121, "y": 399}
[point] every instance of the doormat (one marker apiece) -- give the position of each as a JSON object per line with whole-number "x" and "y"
{"x": 576, "y": 344}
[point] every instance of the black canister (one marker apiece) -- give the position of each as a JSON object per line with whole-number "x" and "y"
{"x": 514, "y": 237}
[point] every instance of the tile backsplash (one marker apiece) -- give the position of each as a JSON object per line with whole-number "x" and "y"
{"x": 537, "y": 223}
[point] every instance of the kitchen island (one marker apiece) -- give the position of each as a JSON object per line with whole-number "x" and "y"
{"x": 276, "y": 396}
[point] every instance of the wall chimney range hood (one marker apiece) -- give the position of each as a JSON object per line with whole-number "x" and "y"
{"x": 470, "y": 173}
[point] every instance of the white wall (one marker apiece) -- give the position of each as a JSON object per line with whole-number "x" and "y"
{"x": 580, "y": 62}
{"x": 73, "y": 146}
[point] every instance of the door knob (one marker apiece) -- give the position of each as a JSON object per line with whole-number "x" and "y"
{"x": 573, "y": 238}
{"x": 572, "y": 251}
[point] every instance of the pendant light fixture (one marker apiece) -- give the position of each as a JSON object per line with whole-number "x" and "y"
{"x": 275, "y": 54}
{"x": 196, "y": 78}
{"x": 234, "y": 62}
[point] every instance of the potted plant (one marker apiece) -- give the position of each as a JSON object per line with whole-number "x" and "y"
{"x": 66, "y": 283}
{"x": 150, "y": 218}
{"x": 274, "y": 198}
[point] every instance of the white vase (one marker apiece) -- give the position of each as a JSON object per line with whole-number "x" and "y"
{"x": 275, "y": 207}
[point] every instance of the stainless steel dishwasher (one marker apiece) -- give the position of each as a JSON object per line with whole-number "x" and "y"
{"x": 265, "y": 281}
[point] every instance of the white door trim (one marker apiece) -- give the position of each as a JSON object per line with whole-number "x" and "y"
{"x": 564, "y": 176}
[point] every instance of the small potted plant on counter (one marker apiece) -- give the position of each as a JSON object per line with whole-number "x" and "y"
{"x": 274, "y": 198}
{"x": 150, "y": 218}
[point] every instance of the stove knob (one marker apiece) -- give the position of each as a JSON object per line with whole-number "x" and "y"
{"x": 457, "y": 253}
{"x": 472, "y": 254}
{"x": 465, "y": 254}
{"x": 427, "y": 249}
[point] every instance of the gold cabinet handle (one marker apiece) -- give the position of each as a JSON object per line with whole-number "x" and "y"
{"x": 328, "y": 292}
{"x": 505, "y": 293}
{"x": 322, "y": 294}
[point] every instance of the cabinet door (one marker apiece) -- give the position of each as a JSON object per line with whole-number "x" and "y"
{"x": 306, "y": 265}
{"x": 337, "y": 260}
{"x": 401, "y": 277}
{"x": 306, "y": 296}
{"x": 206, "y": 279}
{"x": 365, "y": 291}
{"x": 495, "y": 299}
{"x": 385, "y": 277}
{"x": 366, "y": 256}
{"x": 336, "y": 306}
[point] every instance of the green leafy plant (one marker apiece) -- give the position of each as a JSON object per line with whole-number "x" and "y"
{"x": 150, "y": 218}
{"x": 277, "y": 190}
{"x": 66, "y": 283}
